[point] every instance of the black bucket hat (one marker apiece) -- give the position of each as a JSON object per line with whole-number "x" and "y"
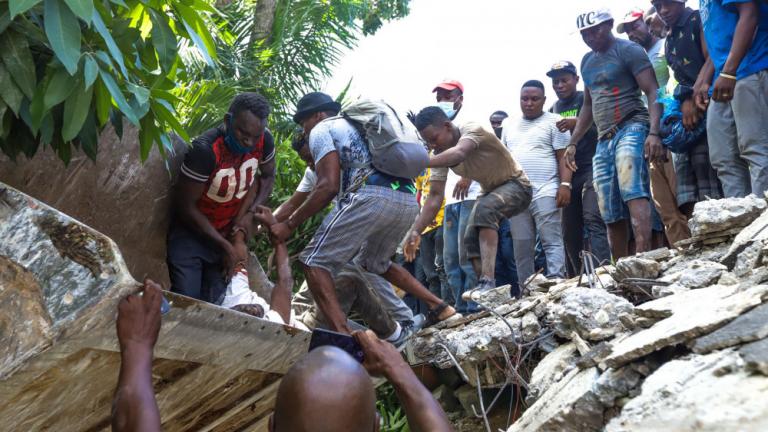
{"x": 314, "y": 102}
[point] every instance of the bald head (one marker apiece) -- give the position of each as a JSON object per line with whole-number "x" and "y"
{"x": 327, "y": 390}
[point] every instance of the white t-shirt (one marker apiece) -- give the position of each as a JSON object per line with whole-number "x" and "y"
{"x": 308, "y": 182}
{"x": 533, "y": 144}
{"x": 450, "y": 183}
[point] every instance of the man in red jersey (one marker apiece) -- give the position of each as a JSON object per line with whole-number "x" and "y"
{"x": 228, "y": 171}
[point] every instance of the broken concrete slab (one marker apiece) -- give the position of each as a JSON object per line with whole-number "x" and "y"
{"x": 445, "y": 397}
{"x": 666, "y": 306}
{"x": 530, "y": 327}
{"x": 701, "y": 274}
{"x": 748, "y": 327}
{"x": 748, "y": 259}
{"x": 693, "y": 316}
{"x": 614, "y": 384}
{"x": 694, "y": 394}
{"x": 550, "y": 370}
{"x": 755, "y": 355}
{"x": 569, "y": 406}
{"x": 713, "y": 216}
{"x": 592, "y": 313}
{"x": 636, "y": 267}
{"x": 757, "y": 230}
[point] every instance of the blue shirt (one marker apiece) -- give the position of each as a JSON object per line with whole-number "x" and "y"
{"x": 719, "y": 18}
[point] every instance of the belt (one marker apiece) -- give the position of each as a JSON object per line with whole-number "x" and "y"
{"x": 610, "y": 133}
{"x": 395, "y": 183}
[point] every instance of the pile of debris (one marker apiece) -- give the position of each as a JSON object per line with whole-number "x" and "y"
{"x": 666, "y": 340}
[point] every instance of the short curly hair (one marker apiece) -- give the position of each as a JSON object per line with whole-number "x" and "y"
{"x": 253, "y": 102}
{"x": 430, "y": 116}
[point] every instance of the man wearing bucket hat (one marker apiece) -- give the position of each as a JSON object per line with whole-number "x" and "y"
{"x": 372, "y": 213}
{"x": 614, "y": 72}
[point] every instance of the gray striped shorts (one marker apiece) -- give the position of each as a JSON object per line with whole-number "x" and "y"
{"x": 367, "y": 226}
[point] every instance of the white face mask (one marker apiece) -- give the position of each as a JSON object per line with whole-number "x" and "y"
{"x": 447, "y": 108}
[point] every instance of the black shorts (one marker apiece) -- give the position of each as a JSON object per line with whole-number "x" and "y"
{"x": 195, "y": 266}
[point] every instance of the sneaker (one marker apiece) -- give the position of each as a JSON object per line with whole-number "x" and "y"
{"x": 416, "y": 324}
{"x": 483, "y": 285}
{"x": 405, "y": 334}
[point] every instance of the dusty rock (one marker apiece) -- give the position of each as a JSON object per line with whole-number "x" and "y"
{"x": 755, "y": 355}
{"x": 490, "y": 298}
{"x": 614, "y": 384}
{"x": 550, "y": 370}
{"x": 756, "y": 231}
{"x": 594, "y": 356}
{"x": 581, "y": 345}
{"x": 592, "y": 313}
{"x": 750, "y": 326}
{"x": 467, "y": 397}
{"x": 701, "y": 274}
{"x": 688, "y": 395}
{"x": 636, "y": 267}
{"x": 728, "y": 278}
{"x": 530, "y": 327}
{"x": 668, "y": 290}
{"x": 748, "y": 259}
{"x": 568, "y": 405}
{"x": 714, "y": 216}
{"x": 693, "y": 314}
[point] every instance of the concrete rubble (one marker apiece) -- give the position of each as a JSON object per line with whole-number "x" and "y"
{"x": 673, "y": 339}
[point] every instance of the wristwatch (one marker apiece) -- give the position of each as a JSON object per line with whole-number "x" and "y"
{"x": 566, "y": 184}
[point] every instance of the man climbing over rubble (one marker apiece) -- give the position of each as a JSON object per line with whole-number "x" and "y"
{"x": 372, "y": 214}
{"x": 582, "y": 215}
{"x": 227, "y": 171}
{"x": 473, "y": 152}
{"x": 736, "y": 34}
{"x": 367, "y": 294}
{"x": 535, "y": 141}
{"x": 628, "y": 136}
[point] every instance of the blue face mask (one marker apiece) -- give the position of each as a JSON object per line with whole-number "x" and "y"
{"x": 232, "y": 143}
{"x": 447, "y": 108}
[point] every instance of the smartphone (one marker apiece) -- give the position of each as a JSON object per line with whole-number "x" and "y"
{"x": 165, "y": 305}
{"x": 322, "y": 337}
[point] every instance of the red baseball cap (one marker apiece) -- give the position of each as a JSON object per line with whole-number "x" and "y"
{"x": 631, "y": 17}
{"x": 449, "y": 85}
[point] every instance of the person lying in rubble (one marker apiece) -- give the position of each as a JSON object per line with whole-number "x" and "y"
{"x": 303, "y": 402}
{"x": 367, "y": 294}
{"x": 239, "y": 295}
{"x": 476, "y": 153}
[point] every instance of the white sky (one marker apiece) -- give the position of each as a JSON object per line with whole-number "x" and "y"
{"x": 491, "y": 46}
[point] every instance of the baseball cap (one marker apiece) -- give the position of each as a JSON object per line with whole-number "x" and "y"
{"x": 593, "y": 18}
{"x": 449, "y": 85}
{"x": 562, "y": 66}
{"x": 631, "y": 17}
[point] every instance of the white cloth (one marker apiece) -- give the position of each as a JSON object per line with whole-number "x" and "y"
{"x": 533, "y": 144}
{"x": 450, "y": 183}
{"x": 239, "y": 292}
{"x": 308, "y": 182}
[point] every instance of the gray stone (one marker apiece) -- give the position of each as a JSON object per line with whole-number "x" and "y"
{"x": 569, "y": 406}
{"x": 748, "y": 327}
{"x": 701, "y": 274}
{"x": 594, "y": 356}
{"x": 530, "y": 327}
{"x": 692, "y": 314}
{"x": 688, "y": 395}
{"x": 491, "y": 298}
{"x": 636, "y": 267}
{"x": 728, "y": 278}
{"x": 756, "y": 231}
{"x": 755, "y": 355}
{"x": 659, "y": 291}
{"x": 713, "y": 216}
{"x": 592, "y": 313}
{"x": 748, "y": 259}
{"x": 615, "y": 384}
{"x": 550, "y": 370}
{"x": 467, "y": 397}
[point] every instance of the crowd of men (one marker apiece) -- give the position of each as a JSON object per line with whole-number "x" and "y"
{"x": 668, "y": 117}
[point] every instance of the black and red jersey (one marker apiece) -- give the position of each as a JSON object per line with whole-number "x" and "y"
{"x": 227, "y": 176}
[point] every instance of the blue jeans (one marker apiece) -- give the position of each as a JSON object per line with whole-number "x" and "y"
{"x": 461, "y": 276}
{"x": 506, "y": 271}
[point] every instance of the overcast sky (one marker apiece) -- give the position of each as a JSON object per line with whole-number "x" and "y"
{"x": 491, "y": 46}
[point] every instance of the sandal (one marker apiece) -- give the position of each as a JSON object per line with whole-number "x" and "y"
{"x": 434, "y": 314}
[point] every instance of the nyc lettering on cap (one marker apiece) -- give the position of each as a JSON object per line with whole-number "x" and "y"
{"x": 593, "y": 18}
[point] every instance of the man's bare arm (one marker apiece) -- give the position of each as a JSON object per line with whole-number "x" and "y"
{"x": 429, "y": 211}
{"x": 453, "y": 156}
{"x": 654, "y": 150}
{"x": 134, "y": 408}
{"x": 743, "y": 36}
{"x": 266, "y": 183}
{"x": 289, "y": 206}
{"x": 328, "y": 173}
{"x": 583, "y": 123}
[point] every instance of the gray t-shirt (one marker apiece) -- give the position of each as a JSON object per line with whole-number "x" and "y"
{"x": 610, "y": 78}
{"x": 338, "y": 135}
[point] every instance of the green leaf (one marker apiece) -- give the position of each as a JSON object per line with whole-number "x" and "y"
{"x": 141, "y": 93}
{"x": 89, "y": 137}
{"x": 91, "y": 71}
{"x": 64, "y": 150}
{"x": 59, "y": 88}
{"x": 75, "y": 110}
{"x": 63, "y": 31}
{"x": 37, "y": 110}
{"x": 5, "y": 21}
{"x": 163, "y": 114}
{"x": 81, "y": 8}
{"x": 164, "y": 39}
{"x": 3, "y": 111}
{"x": 47, "y": 127}
{"x": 103, "y": 103}
{"x": 9, "y": 92}
{"x": 198, "y": 32}
{"x": 114, "y": 50}
{"x": 147, "y": 136}
{"x": 20, "y": 6}
{"x": 118, "y": 96}
{"x": 17, "y": 58}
